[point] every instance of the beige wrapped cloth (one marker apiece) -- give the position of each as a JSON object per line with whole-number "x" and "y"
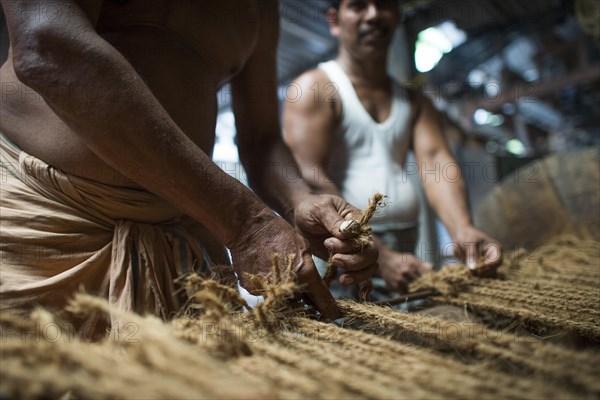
{"x": 61, "y": 234}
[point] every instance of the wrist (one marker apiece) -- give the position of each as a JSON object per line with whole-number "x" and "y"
{"x": 384, "y": 250}
{"x": 462, "y": 231}
{"x": 294, "y": 203}
{"x": 250, "y": 224}
{"x": 385, "y": 253}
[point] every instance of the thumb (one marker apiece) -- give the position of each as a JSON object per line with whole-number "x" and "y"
{"x": 425, "y": 267}
{"x": 467, "y": 253}
{"x": 248, "y": 284}
{"x": 331, "y": 219}
{"x": 471, "y": 256}
{"x": 493, "y": 254}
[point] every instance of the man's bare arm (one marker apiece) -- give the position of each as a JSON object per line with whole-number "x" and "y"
{"x": 268, "y": 163}
{"x": 447, "y": 195}
{"x": 309, "y": 123}
{"x": 271, "y": 168}
{"x": 123, "y": 124}
{"x": 309, "y": 126}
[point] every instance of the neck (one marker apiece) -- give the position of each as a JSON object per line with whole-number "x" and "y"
{"x": 364, "y": 71}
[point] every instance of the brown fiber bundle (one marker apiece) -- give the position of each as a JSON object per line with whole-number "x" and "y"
{"x": 555, "y": 289}
{"x": 215, "y": 350}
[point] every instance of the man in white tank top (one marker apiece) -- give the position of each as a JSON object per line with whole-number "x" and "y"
{"x": 350, "y": 133}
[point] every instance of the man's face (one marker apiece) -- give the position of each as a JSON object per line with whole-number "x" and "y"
{"x": 365, "y": 26}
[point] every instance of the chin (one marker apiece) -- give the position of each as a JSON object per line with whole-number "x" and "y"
{"x": 376, "y": 47}
{"x": 382, "y": 42}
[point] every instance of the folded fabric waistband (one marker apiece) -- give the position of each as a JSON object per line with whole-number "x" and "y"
{"x": 100, "y": 200}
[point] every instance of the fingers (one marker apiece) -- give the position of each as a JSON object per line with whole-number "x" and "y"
{"x": 491, "y": 257}
{"x": 350, "y": 255}
{"x": 364, "y": 289}
{"x": 343, "y": 208}
{"x": 356, "y": 261}
{"x": 471, "y": 256}
{"x": 399, "y": 285}
{"x": 406, "y": 271}
{"x": 402, "y": 287}
{"x": 333, "y": 213}
{"x": 315, "y": 289}
{"x": 414, "y": 270}
{"x": 468, "y": 252}
{"x": 410, "y": 276}
{"x": 484, "y": 272}
{"x": 493, "y": 254}
{"x": 248, "y": 285}
{"x": 348, "y": 277}
{"x": 425, "y": 268}
{"x": 336, "y": 245}
{"x": 478, "y": 251}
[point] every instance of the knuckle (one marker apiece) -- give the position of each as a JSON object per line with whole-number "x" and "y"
{"x": 322, "y": 201}
{"x": 303, "y": 271}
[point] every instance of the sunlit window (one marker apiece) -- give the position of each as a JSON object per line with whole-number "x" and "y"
{"x": 483, "y": 117}
{"x": 434, "y": 42}
{"x": 516, "y": 147}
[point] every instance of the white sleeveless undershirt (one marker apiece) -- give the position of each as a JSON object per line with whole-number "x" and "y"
{"x": 369, "y": 157}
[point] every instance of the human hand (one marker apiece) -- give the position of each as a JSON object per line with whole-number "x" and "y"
{"x": 318, "y": 218}
{"x": 399, "y": 269}
{"x": 252, "y": 250}
{"x": 481, "y": 253}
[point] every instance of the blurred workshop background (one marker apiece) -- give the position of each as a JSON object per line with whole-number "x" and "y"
{"x": 516, "y": 81}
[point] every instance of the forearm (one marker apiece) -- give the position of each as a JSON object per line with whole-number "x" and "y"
{"x": 447, "y": 195}
{"x": 274, "y": 175}
{"x": 385, "y": 253}
{"x": 307, "y": 177}
{"x": 113, "y": 112}
{"x": 318, "y": 181}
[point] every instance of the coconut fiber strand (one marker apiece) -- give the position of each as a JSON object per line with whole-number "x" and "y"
{"x": 554, "y": 289}
{"x": 215, "y": 350}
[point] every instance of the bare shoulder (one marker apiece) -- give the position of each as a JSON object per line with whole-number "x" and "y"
{"x": 310, "y": 119}
{"x": 43, "y": 13}
{"x": 317, "y": 93}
